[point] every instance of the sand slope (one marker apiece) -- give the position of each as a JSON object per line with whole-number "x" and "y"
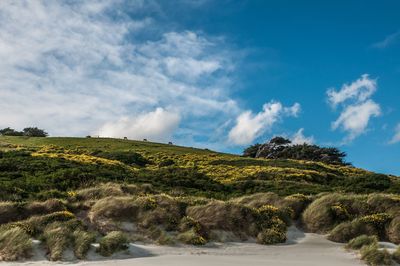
{"x": 301, "y": 249}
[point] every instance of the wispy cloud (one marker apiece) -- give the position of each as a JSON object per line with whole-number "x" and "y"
{"x": 249, "y": 126}
{"x": 359, "y": 91}
{"x": 396, "y": 137}
{"x": 357, "y": 107}
{"x": 80, "y": 67}
{"x": 388, "y": 41}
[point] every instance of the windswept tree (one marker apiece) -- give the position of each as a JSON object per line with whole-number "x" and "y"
{"x": 10, "y": 132}
{"x": 281, "y": 148}
{"x": 251, "y": 151}
{"x": 34, "y": 132}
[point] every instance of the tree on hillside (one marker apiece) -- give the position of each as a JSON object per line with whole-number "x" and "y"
{"x": 34, "y": 132}
{"x": 10, "y": 132}
{"x": 251, "y": 151}
{"x": 281, "y": 148}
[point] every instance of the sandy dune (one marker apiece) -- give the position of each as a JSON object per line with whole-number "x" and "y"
{"x": 301, "y": 249}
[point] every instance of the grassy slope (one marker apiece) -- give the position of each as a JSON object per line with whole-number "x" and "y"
{"x": 55, "y": 163}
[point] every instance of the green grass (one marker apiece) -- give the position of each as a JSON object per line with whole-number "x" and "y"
{"x": 50, "y": 167}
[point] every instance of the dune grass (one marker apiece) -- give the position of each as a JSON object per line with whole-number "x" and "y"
{"x": 112, "y": 242}
{"x": 360, "y": 241}
{"x": 15, "y": 244}
{"x": 375, "y": 257}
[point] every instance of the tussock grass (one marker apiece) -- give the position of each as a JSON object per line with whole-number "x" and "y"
{"x": 360, "y": 241}
{"x": 112, "y": 242}
{"x": 57, "y": 237}
{"x": 99, "y": 191}
{"x": 393, "y": 230}
{"x": 15, "y": 244}
{"x": 370, "y": 225}
{"x": 13, "y": 211}
{"x": 238, "y": 219}
{"x": 375, "y": 257}
{"x": 82, "y": 242}
{"x": 118, "y": 208}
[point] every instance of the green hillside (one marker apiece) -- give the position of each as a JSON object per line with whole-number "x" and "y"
{"x": 71, "y": 192}
{"x": 35, "y": 165}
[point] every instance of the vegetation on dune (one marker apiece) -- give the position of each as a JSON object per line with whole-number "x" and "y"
{"x": 373, "y": 256}
{"x": 112, "y": 242}
{"x": 15, "y": 244}
{"x": 360, "y": 241}
{"x": 68, "y": 192}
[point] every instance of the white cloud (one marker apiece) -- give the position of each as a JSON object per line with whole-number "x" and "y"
{"x": 396, "y": 137}
{"x": 77, "y": 67}
{"x": 357, "y": 107}
{"x": 156, "y": 125}
{"x": 359, "y": 91}
{"x": 389, "y": 40}
{"x": 249, "y": 126}
{"x": 299, "y": 138}
{"x": 355, "y": 118}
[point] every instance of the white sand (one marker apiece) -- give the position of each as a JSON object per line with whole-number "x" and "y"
{"x": 301, "y": 249}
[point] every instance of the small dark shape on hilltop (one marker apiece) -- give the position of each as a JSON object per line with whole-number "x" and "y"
{"x": 281, "y": 148}
{"x": 28, "y": 132}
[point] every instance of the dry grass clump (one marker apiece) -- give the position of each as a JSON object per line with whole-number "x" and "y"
{"x": 241, "y": 220}
{"x": 259, "y": 199}
{"x": 112, "y": 242}
{"x": 375, "y": 257}
{"x": 99, "y": 191}
{"x": 36, "y": 224}
{"x": 370, "y": 225}
{"x": 9, "y": 211}
{"x": 117, "y": 208}
{"x": 15, "y": 244}
{"x": 393, "y": 230}
{"x": 360, "y": 241}
{"x": 164, "y": 210}
{"x": 296, "y": 202}
{"x": 220, "y": 215}
{"x": 57, "y": 237}
{"x": 146, "y": 211}
{"x": 82, "y": 242}
{"x": 329, "y": 210}
{"x": 12, "y": 211}
{"x": 45, "y": 207}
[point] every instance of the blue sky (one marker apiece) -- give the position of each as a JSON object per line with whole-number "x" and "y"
{"x": 219, "y": 74}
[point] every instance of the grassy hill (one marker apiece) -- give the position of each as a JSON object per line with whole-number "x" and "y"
{"x": 71, "y": 192}
{"x": 34, "y": 165}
